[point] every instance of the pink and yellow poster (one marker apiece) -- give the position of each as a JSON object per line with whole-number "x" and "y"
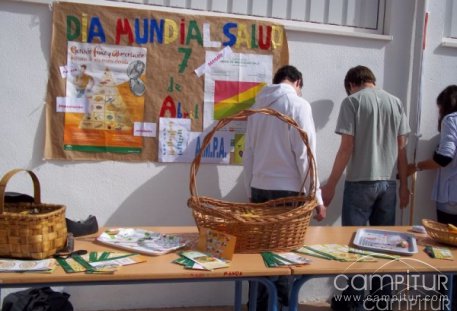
{"x": 231, "y": 97}
{"x": 232, "y": 84}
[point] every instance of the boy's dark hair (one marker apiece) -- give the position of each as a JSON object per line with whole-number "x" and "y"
{"x": 447, "y": 101}
{"x": 358, "y": 75}
{"x": 289, "y": 73}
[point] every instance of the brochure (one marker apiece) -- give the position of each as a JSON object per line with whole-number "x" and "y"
{"x": 188, "y": 263}
{"x": 338, "y": 252}
{"x": 276, "y": 259}
{"x": 117, "y": 259}
{"x": 205, "y": 260}
{"x": 439, "y": 252}
{"x": 141, "y": 241}
{"x": 373, "y": 254}
{"x": 99, "y": 262}
{"x": 306, "y": 250}
{"x": 14, "y": 265}
{"x": 216, "y": 243}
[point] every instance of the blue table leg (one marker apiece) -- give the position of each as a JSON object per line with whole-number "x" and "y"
{"x": 295, "y": 290}
{"x": 253, "y": 287}
{"x": 238, "y": 294}
{"x": 272, "y": 294}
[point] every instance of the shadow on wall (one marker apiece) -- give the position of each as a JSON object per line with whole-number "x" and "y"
{"x": 36, "y": 158}
{"x": 321, "y": 112}
{"x": 154, "y": 203}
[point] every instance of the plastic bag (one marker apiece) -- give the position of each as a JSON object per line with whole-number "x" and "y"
{"x": 37, "y": 299}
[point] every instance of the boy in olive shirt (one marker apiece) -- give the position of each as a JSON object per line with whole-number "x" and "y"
{"x": 373, "y": 129}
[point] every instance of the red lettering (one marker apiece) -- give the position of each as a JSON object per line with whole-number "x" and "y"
{"x": 123, "y": 29}
{"x": 233, "y": 273}
{"x": 265, "y": 44}
{"x": 168, "y": 109}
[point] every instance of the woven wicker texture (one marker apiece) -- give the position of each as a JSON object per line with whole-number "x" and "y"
{"x": 276, "y": 225}
{"x": 440, "y": 232}
{"x": 30, "y": 230}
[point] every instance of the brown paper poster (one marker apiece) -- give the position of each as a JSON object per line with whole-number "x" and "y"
{"x": 116, "y": 71}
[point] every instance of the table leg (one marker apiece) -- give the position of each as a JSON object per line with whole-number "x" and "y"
{"x": 295, "y": 290}
{"x": 238, "y": 294}
{"x": 272, "y": 294}
{"x": 253, "y": 287}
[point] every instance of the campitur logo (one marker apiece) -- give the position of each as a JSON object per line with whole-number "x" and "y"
{"x": 408, "y": 290}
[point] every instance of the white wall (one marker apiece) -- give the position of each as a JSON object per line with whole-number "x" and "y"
{"x": 128, "y": 194}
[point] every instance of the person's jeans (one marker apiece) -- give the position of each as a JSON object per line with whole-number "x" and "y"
{"x": 260, "y": 195}
{"x": 372, "y": 202}
{"x": 281, "y": 282}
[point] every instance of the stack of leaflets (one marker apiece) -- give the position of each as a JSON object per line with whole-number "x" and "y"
{"x": 274, "y": 259}
{"x": 14, "y": 265}
{"x": 141, "y": 241}
{"x": 98, "y": 262}
{"x": 439, "y": 252}
{"x": 341, "y": 252}
{"x": 200, "y": 261}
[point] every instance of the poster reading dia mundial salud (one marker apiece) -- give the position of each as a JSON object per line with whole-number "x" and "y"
{"x": 117, "y": 69}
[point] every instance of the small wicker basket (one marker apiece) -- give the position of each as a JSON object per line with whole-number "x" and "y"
{"x": 440, "y": 232}
{"x": 276, "y": 225}
{"x": 30, "y": 230}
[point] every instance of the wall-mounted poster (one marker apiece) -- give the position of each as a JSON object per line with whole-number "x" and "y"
{"x": 232, "y": 84}
{"x": 108, "y": 84}
{"x": 115, "y": 71}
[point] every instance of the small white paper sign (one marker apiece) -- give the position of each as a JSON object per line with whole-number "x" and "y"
{"x": 146, "y": 129}
{"x": 72, "y": 105}
{"x": 216, "y": 59}
{"x": 66, "y": 70}
{"x": 173, "y": 138}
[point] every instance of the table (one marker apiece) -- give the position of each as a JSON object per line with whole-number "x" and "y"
{"x": 157, "y": 269}
{"x": 408, "y": 266}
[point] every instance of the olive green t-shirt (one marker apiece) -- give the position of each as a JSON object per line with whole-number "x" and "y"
{"x": 375, "y": 118}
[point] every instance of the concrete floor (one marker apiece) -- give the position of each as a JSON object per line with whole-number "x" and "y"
{"x": 303, "y": 307}
{"x": 313, "y": 307}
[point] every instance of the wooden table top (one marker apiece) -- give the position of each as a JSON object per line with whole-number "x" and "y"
{"x": 158, "y": 268}
{"x": 155, "y": 268}
{"x": 419, "y": 262}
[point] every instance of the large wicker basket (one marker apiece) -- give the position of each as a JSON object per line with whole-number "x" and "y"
{"x": 276, "y": 225}
{"x": 440, "y": 232}
{"x": 30, "y": 230}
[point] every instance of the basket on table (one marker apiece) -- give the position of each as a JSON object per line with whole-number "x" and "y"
{"x": 32, "y": 230}
{"x": 440, "y": 232}
{"x": 275, "y": 225}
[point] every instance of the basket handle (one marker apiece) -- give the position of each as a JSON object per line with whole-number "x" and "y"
{"x": 242, "y": 116}
{"x": 7, "y": 177}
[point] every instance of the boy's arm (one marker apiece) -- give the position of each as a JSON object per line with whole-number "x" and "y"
{"x": 341, "y": 160}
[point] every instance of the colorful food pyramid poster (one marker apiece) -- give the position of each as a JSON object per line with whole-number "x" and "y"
{"x": 108, "y": 83}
